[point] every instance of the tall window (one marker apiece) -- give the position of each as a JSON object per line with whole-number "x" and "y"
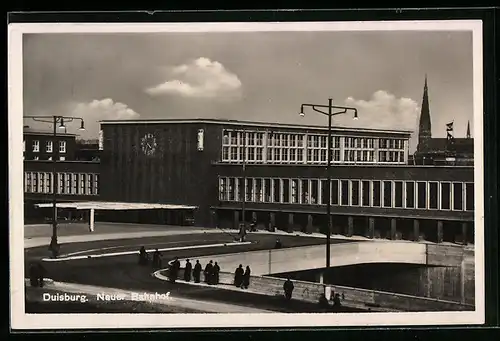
{"x": 387, "y": 193}
{"x": 398, "y": 194}
{"x": 324, "y": 192}
{"x": 36, "y": 146}
{"x": 48, "y": 182}
{"x": 48, "y": 147}
{"x": 223, "y": 189}
{"x": 82, "y": 176}
{"x": 41, "y": 183}
{"x": 74, "y": 185}
{"x": 365, "y": 190}
{"x": 286, "y": 190}
{"x": 305, "y": 195}
{"x": 421, "y": 194}
{"x": 62, "y": 146}
{"x": 277, "y": 190}
{"x": 355, "y": 193}
{"x": 62, "y": 182}
{"x": 458, "y": 196}
{"x": 469, "y": 196}
{"x": 344, "y": 198}
{"x": 376, "y": 194}
{"x": 314, "y": 191}
{"x": 433, "y": 195}
{"x": 295, "y": 191}
{"x": 335, "y": 192}
{"x": 445, "y": 195}
{"x": 410, "y": 194}
{"x": 267, "y": 188}
{"x": 96, "y": 184}
{"x": 259, "y": 195}
{"x": 232, "y": 189}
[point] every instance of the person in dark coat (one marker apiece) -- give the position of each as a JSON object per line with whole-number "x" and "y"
{"x": 41, "y": 272}
{"x": 246, "y": 278}
{"x": 187, "y": 271}
{"x": 336, "y": 300}
{"x": 143, "y": 256}
{"x": 208, "y": 272}
{"x": 288, "y": 288}
{"x": 174, "y": 270}
{"x": 197, "y": 272}
{"x": 278, "y": 244}
{"x": 216, "y": 272}
{"x": 238, "y": 276}
{"x": 157, "y": 259}
{"x": 33, "y": 273}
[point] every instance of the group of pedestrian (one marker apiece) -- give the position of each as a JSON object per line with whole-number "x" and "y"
{"x": 242, "y": 277}
{"x": 36, "y": 274}
{"x": 190, "y": 271}
{"x": 212, "y": 273}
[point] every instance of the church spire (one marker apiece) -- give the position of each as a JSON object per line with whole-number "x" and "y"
{"x": 468, "y": 130}
{"x": 424, "y": 129}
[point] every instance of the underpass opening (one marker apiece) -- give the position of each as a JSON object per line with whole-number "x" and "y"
{"x": 360, "y": 226}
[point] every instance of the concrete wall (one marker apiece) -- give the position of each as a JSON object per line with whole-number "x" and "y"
{"x": 354, "y": 297}
{"x": 312, "y": 257}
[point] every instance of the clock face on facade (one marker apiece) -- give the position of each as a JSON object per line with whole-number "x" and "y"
{"x": 148, "y": 144}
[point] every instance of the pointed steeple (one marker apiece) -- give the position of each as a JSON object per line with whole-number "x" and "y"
{"x": 468, "y": 130}
{"x": 424, "y": 128}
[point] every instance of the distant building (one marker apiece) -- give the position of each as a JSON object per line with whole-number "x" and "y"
{"x": 77, "y": 176}
{"x": 87, "y": 150}
{"x": 441, "y": 151}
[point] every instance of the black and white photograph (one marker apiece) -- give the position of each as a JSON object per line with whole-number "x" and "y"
{"x": 199, "y": 175}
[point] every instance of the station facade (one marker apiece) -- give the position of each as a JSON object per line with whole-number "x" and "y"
{"x": 281, "y": 169}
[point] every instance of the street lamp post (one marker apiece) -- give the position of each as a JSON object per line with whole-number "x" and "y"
{"x": 54, "y": 247}
{"x": 330, "y": 113}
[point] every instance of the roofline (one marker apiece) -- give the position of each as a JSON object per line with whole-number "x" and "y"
{"x": 40, "y": 133}
{"x": 344, "y": 165}
{"x": 251, "y": 123}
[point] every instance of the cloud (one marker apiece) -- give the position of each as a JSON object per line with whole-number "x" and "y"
{"x": 201, "y": 78}
{"x": 92, "y": 112}
{"x": 385, "y": 111}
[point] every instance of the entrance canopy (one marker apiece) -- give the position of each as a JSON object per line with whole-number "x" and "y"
{"x": 121, "y": 206}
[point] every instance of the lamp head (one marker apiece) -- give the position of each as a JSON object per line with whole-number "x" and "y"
{"x": 82, "y": 126}
{"x": 302, "y": 111}
{"x": 355, "y": 115}
{"x": 61, "y": 125}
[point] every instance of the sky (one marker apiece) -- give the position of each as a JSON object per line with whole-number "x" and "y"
{"x": 254, "y": 76}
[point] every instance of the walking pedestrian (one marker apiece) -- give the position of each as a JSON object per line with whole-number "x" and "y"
{"x": 157, "y": 259}
{"x": 187, "y": 271}
{"x": 216, "y": 272}
{"x": 246, "y": 278}
{"x": 197, "y": 272}
{"x": 208, "y": 272}
{"x": 238, "y": 276}
{"x": 288, "y": 288}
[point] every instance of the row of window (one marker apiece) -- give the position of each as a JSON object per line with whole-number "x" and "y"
{"x": 260, "y": 147}
{"x": 431, "y": 195}
{"x": 48, "y": 146}
{"x": 67, "y": 183}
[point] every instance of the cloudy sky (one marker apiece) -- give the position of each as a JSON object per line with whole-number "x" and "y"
{"x": 261, "y": 76}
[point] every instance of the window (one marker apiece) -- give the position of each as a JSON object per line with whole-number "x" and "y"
{"x": 258, "y": 190}
{"x": 41, "y": 183}
{"x": 433, "y": 195}
{"x": 355, "y": 193}
{"x": 90, "y": 184}
{"x": 344, "y": 197}
{"x": 81, "y": 176}
{"x": 398, "y": 194}
{"x": 34, "y": 183}
{"x": 314, "y": 191}
{"x": 96, "y": 184}
{"x": 36, "y": 146}
{"x": 376, "y": 194}
{"x": 295, "y": 191}
{"x": 387, "y": 194}
{"x": 286, "y": 190}
{"x": 410, "y": 194}
{"x": 324, "y": 192}
{"x": 469, "y": 196}
{"x": 365, "y": 190}
{"x": 335, "y": 192}
{"x": 24, "y": 146}
{"x": 68, "y": 184}
{"x": 62, "y": 158}
{"x": 305, "y": 192}
{"x": 421, "y": 194}
{"x": 61, "y": 183}
{"x": 232, "y": 189}
{"x": 62, "y": 146}
{"x": 445, "y": 195}
{"x": 267, "y": 190}
{"x": 74, "y": 185}
{"x": 277, "y": 190}
{"x": 458, "y": 196}
{"x": 48, "y": 147}
{"x": 48, "y": 182}
{"x": 222, "y": 189}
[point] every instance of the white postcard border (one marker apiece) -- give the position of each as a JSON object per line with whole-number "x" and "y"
{"x": 20, "y": 320}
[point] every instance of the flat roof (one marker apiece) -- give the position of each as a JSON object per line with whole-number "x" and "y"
{"x": 120, "y": 206}
{"x": 251, "y": 123}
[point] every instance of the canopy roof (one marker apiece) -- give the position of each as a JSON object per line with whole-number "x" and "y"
{"x": 120, "y": 206}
